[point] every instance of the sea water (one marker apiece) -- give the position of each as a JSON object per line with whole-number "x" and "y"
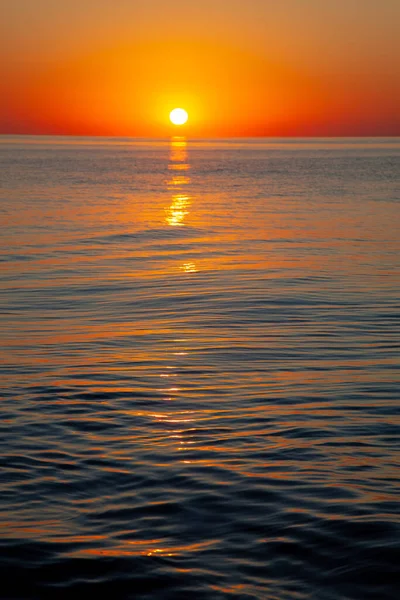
{"x": 199, "y": 368}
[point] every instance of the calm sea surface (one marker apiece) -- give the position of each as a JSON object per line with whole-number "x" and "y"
{"x": 199, "y": 369}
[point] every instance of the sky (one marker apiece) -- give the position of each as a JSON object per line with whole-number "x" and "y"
{"x": 239, "y": 67}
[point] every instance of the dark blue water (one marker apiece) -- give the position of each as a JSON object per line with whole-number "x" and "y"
{"x": 199, "y": 369}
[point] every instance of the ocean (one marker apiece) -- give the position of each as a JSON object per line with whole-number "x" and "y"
{"x": 199, "y": 368}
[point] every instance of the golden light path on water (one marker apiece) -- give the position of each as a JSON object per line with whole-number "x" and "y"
{"x": 177, "y": 211}
{"x": 175, "y": 215}
{"x": 181, "y": 201}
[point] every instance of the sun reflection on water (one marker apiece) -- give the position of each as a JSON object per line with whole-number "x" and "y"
{"x": 189, "y": 267}
{"x": 178, "y": 162}
{"x": 177, "y": 212}
{"x": 181, "y": 422}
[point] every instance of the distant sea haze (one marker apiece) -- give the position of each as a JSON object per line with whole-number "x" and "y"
{"x": 199, "y": 368}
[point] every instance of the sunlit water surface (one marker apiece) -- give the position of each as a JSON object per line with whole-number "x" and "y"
{"x": 200, "y": 369}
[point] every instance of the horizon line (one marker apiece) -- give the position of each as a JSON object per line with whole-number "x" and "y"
{"x": 196, "y": 138}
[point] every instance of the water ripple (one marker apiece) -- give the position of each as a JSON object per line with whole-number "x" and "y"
{"x": 200, "y": 373}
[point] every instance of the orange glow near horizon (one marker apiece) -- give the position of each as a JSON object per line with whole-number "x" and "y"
{"x": 268, "y": 71}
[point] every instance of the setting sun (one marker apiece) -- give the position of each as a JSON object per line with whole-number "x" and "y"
{"x": 178, "y": 116}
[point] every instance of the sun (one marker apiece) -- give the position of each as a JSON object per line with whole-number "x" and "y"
{"x": 178, "y": 116}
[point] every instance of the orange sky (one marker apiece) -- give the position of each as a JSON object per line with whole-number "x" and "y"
{"x": 260, "y": 67}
